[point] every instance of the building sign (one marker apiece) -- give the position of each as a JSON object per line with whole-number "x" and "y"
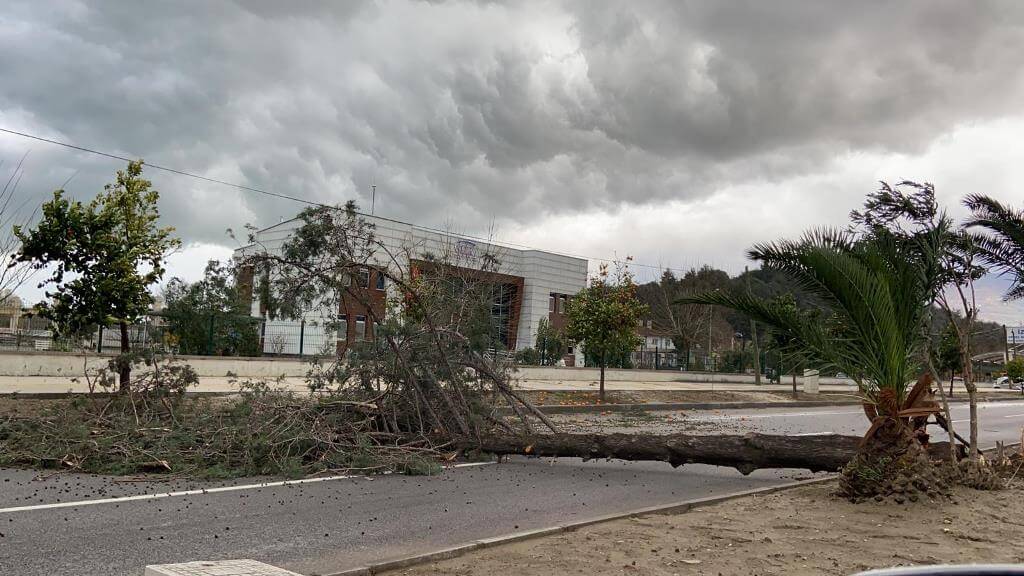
{"x": 1015, "y": 334}
{"x": 465, "y": 249}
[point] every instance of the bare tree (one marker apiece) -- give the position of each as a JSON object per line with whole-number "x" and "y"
{"x": 14, "y": 211}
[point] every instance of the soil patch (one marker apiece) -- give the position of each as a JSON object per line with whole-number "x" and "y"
{"x": 582, "y": 397}
{"x": 804, "y": 531}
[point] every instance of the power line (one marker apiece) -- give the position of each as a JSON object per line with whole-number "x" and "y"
{"x": 164, "y": 168}
{"x": 311, "y": 202}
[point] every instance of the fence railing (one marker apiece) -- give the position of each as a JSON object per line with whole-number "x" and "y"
{"x": 202, "y": 335}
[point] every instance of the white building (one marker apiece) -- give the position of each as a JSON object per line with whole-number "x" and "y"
{"x": 538, "y": 283}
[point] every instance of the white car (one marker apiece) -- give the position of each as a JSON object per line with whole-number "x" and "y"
{"x": 1005, "y": 382}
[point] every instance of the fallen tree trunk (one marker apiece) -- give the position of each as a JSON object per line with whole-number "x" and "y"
{"x": 825, "y": 453}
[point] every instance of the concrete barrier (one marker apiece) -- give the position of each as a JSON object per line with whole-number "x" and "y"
{"x": 566, "y": 374}
{"x": 70, "y": 365}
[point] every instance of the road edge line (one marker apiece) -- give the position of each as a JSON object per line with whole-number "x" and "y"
{"x": 671, "y": 508}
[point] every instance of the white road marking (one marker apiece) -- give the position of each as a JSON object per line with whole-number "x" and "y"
{"x": 813, "y": 434}
{"x": 199, "y": 491}
{"x": 1013, "y": 416}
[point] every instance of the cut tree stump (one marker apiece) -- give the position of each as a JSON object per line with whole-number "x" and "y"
{"x": 746, "y": 453}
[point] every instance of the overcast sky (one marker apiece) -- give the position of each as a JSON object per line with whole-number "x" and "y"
{"x": 676, "y": 132}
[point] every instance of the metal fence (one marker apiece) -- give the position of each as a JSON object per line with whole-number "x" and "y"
{"x": 209, "y": 335}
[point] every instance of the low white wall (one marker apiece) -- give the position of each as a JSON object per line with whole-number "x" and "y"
{"x": 566, "y": 374}
{"x": 72, "y": 365}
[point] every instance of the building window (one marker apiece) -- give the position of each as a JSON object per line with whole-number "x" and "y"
{"x": 364, "y": 278}
{"x": 343, "y": 327}
{"x": 551, "y": 303}
{"x": 360, "y": 327}
{"x": 380, "y": 280}
{"x": 563, "y": 300}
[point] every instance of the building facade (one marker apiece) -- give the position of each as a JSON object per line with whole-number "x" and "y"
{"x": 526, "y": 284}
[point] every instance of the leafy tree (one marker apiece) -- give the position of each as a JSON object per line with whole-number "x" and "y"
{"x": 102, "y": 257}
{"x": 1015, "y": 369}
{"x": 210, "y": 316}
{"x": 550, "y": 343}
{"x": 947, "y": 354}
{"x": 604, "y": 317}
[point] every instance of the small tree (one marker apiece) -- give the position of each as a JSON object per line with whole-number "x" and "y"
{"x": 1015, "y": 369}
{"x": 209, "y": 316}
{"x": 947, "y": 354}
{"x": 103, "y": 255}
{"x": 604, "y": 317}
{"x": 550, "y": 343}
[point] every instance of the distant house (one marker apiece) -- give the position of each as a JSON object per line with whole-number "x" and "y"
{"x": 655, "y": 349}
{"x": 654, "y": 338}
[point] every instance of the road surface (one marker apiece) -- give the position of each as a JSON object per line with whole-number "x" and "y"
{"x": 74, "y": 524}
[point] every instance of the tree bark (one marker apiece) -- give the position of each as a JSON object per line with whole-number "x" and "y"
{"x": 827, "y": 453}
{"x": 600, "y": 393}
{"x": 757, "y": 352}
{"x": 124, "y": 378}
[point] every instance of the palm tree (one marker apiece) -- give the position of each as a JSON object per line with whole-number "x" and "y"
{"x": 873, "y": 293}
{"x": 873, "y": 297}
{"x": 1001, "y": 245}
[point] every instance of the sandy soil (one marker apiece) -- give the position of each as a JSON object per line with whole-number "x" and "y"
{"x": 803, "y": 531}
{"x": 566, "y": 397}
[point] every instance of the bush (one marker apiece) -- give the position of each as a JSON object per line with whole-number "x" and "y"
{"x": 1015, "y": 369}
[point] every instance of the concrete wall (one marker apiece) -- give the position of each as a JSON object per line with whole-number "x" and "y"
{"x": 71, "y": 365}
{"x": 563, "y": 374}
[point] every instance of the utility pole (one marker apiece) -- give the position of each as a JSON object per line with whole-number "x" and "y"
{"x": 373, "y": 198}
{"x": 753, "y": 336}
{"x": 1006, "y": 346}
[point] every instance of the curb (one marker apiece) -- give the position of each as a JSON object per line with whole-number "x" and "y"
{"x": 672, "y": 508}
{"x": 655, "y": 406}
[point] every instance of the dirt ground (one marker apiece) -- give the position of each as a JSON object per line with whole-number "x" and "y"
{"x": 804, "y": 531}
{"x": 543, "y": 397}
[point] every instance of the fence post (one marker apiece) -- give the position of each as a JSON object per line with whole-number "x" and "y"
{"x": 657, "y": 358}
{"x": 302, "y": 335}
{"x": 263, "y": 335}
{"x": 99, "y": 340}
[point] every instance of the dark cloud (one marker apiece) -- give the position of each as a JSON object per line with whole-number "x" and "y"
{"x": 467, "y": 112}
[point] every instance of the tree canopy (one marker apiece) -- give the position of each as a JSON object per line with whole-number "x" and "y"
{"x": 102, "y": 257}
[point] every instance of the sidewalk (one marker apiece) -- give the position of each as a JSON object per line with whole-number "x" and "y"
{"x": 223, "y": 384}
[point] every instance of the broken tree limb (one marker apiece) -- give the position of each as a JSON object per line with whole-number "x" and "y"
{"x": 746, "y": 453}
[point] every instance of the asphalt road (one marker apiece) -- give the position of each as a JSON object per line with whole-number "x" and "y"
{"x": 74, "y": 524}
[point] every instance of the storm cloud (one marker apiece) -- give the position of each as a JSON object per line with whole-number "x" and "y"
{"x": 479, "y": 112}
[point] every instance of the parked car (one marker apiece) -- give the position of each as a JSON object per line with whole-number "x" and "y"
{"x": 1005, "y": 382}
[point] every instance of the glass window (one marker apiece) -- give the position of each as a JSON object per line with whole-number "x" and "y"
{"x": 342, "y": 327}
{"x": 380, "y": 280}
{"x": 563, "y": 300}
{"x": 364, "y": 278}
{"x": 551, "y": 303}
{"x": 360, "y": 327}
